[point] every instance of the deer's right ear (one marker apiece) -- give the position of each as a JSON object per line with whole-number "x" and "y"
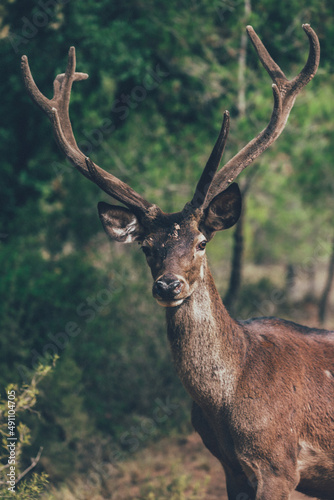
{"x": 120, "y": 223}
{"x": 223, "y": 211}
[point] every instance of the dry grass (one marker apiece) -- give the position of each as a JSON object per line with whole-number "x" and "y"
{"x": 172, "y": 469}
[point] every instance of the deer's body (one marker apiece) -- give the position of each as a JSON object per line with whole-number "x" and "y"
{"x": 263, "y": 389}
{"x": 263, "y": 394}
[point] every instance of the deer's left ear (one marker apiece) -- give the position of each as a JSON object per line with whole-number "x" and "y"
{"x": 120, "y": 223}
{"x": 223, "y": 211}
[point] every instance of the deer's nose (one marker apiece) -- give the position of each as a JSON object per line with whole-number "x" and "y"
{"x": 167, "y": 287}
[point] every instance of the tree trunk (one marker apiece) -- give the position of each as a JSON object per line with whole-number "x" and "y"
{"x": 232, "y": 294}
{"x": 323, "y": 302}
{"x": 290, "y": 280}
{"x": 311, "y": 281}
{"x": 242, "y": 83}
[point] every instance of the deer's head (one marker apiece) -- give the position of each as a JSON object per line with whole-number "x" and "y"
{"x": 174, "y": 244}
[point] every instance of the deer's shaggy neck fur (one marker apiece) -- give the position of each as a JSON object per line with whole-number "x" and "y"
{"x": 208, "y": 346}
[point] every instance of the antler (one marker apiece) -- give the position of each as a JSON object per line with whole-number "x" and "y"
{"x": 210, "y": 169}
{"x": 211, "y": 183}
{"x": 285, "y": 92}
{"x": 57, "y": 109}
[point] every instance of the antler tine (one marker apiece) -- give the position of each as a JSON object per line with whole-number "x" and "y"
{"x": 31, "y": 87}
{"x": 285, "y": 92}
{"x": 213, "y": 162}
{"x": 267, "y": 61}
{"x": 57, "y": 109}
{"x": 312, "y": 63}
{"x": 62, "y": 86}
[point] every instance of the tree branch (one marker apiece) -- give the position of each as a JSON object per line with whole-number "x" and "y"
{"x": 34, "y": 462}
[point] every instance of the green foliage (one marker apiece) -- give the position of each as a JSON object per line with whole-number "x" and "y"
{"x": 263, "y": 298}
{"x": 31, "y": 489}
{"x": 17, "y": 402}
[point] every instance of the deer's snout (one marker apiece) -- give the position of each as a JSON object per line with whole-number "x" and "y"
{"x": 168, "y": 287}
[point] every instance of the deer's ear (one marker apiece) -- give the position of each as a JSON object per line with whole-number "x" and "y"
{"x": 223, "y": 211}
{"x": 119, "y": 223}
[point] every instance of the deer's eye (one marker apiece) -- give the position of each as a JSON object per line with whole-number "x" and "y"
{"x": 147, "y": 251}
{"x": 201, "y": 245}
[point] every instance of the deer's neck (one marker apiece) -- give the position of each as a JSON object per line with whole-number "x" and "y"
{"x": 208, "y": 346}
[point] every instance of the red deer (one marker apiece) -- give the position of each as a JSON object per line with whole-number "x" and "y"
{"x": 262, "y": 389}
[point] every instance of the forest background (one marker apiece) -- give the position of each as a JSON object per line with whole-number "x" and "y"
{"x": 82, "y": 342}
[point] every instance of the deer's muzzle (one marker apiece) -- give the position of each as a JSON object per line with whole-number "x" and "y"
{"x": 167, "y": 290}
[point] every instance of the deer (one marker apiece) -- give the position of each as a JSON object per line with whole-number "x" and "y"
{"x": 262, "y": 388}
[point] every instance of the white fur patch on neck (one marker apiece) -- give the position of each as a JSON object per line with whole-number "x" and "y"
{"x": 207, "y": 376}
{"x": 201, "y": 272}
{"x": 202, "y": 308}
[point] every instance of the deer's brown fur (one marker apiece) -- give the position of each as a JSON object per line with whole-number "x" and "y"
{"x": 263, "y": 392}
